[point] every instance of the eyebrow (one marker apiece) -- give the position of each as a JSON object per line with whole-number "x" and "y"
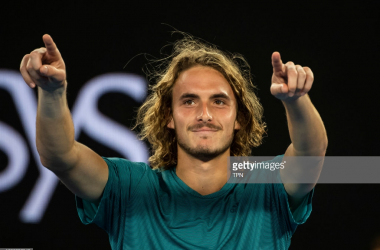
{"x": 192, "y": 95}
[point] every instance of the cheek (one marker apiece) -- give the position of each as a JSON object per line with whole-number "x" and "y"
{"x": 183, "y": 115}
{"x": 181, "y": 119}
{"x": 231, "y": 121}
{"x": 228, "y": 115}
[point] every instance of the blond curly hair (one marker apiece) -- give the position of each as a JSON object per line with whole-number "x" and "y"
{"x": 154, "y": 115}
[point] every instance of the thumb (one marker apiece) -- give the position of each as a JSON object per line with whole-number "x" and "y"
{"x": 277, "y": 89}
{"x": 57, "y": 75}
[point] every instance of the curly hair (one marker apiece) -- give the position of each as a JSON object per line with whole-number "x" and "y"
{"x": 155, "y": 113}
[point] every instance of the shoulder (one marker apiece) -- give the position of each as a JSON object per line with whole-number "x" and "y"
{"x": 123, "y": 168}
{"x": 278, "y": 158}
{"x": 121, "y": 163}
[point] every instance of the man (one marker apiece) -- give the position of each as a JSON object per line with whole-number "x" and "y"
{"x": 202, "y": 110}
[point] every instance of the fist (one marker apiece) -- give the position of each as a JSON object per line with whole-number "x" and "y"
{"x": 44, "y": 67}
{"x": 289, "y": 81}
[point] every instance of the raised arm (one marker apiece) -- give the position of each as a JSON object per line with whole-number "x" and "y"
{"x": 290, "y": 84}
{"x": 83, "y": 171}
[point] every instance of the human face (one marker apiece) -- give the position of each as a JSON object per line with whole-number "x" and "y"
{"x": 204, "y": 113}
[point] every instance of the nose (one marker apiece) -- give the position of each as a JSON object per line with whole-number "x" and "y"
{"x": 204, "y": 115}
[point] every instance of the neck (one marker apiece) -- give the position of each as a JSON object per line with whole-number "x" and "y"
{"x": 204, "y": 177}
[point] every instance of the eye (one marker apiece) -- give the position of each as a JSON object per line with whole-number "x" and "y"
{"x": 188, "y": 102}
{"x": 219, "y": 102}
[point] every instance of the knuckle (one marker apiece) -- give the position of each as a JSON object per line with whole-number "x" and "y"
{"x": 24, "y": 59}
{"x": 28, "y": 64}
{"x": 309, "y": 77}
{"x": 300, "y": 68}
{"x": 29, "y": 67}
{"x": 33, "y": 54}
{"x": 37, "y": 52}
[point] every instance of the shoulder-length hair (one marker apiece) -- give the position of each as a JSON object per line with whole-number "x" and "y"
{"x": 156, "y": 112}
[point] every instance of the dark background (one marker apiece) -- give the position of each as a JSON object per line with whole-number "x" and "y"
{"x": 337, "y": 40}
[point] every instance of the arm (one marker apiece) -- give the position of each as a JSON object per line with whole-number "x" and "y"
{"x": 308, "y": 136}
{"x": 291, "y": 83}
{"x": 83, "y": 171}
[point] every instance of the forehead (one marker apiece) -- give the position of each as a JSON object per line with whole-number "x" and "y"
{"x": 203, "y": 80}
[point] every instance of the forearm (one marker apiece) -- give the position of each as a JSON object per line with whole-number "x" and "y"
{"x": 306, "y": 128}
{"x": 55, "y": 129}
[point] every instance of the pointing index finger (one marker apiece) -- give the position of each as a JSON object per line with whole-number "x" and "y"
{"x": 277, "y": 64}
{"x": 50, "y": 45}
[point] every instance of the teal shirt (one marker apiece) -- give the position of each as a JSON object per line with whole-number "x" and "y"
{"x": 143, "y": 208}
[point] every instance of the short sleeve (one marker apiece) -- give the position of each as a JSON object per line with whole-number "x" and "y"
{"x": 303, "y": 211}
{"x": 123, "y": 178}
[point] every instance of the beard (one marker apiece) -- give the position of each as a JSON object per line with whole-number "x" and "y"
{"x": 204, "y": 153}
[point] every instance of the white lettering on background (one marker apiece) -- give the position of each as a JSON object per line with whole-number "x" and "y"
{"x": 86, "y": 117}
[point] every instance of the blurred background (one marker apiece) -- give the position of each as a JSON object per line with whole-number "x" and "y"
{"x": 337, "y": 40}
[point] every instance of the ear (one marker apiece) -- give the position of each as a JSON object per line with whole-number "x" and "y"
{"x": 171, "y": 124}
{"x": 237, "y": 125}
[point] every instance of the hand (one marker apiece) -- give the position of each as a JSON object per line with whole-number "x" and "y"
{"x": 289, "y": 81}
{"x": 44, "y": 67}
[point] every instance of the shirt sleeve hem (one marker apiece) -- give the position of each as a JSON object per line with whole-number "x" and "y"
{"x": 88, "y": 211}
{"x": 303, "y": 211}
